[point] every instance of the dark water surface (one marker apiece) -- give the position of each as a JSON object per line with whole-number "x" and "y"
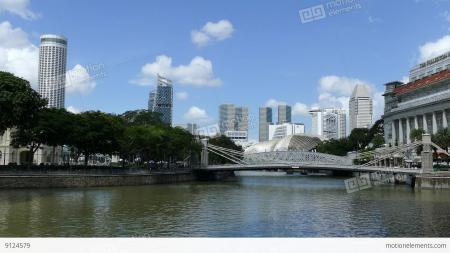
{"x": 250, "y": 207}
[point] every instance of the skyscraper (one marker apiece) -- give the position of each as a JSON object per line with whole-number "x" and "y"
{"x": 329, "y": 123}
{"x": 161, "y": 99}
{"x": 233, "y": 121}
{"x": 284, "y": 114}
{"x": 360, "y": 107}
{"x": 52, "y": 69}
{"x": 241, "y": 119}
{"x": 151, "y": 100}
{"x": 265, "y": 119}
{"x": 227, "y": 114}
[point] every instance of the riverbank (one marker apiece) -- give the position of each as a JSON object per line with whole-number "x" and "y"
{"x": 93, "y": 180}
{"x": 436, "y": 181}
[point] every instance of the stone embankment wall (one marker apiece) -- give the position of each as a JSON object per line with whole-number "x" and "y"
{"x": 59, "y": 179}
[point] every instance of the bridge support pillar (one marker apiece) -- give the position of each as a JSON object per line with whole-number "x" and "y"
{"x": 427, "y": 154}
{"x": 204, "y": 156}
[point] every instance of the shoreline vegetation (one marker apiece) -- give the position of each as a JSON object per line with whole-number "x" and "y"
{"x": 139, "y": 138}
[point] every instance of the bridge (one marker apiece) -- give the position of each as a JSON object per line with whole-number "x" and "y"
{"x": 392, "y": 160}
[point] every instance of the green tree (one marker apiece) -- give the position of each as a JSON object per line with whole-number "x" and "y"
{"x": 416, "y": 134}
{"x": 141, "y": 117}
{"x": 51, "y": 127}
{"x": 359, "y": 137}
{"x": 442, "y": 138}
{"x": 97, "y": 133}
{"x": 377, "y": 141}
{"x": 19, "y": 103}
{"x": 224, "y": 142}
{"x": 338, "y": 147}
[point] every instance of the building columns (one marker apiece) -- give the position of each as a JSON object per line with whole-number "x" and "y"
{"x": 416, "y": 122}
{"x": 400, "y": 131}
{"x": 425, "y": 125}
{"x": 434, "y": 123}
{"x": 408, "y": 131}
{"x": 393, "y": 133}
{"x": 444, "y": 119}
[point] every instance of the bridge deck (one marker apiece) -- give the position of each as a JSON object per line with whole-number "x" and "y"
{"x": 330, "y": 167}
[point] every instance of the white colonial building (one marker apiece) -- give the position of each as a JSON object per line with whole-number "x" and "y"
{"x": 19, "y": 156}
{"x": 423, "y": 103}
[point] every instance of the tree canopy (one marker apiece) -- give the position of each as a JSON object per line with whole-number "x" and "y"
{"x": 19, "y": 103}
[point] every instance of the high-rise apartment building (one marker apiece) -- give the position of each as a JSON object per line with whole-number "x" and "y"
{"x": 227, "y": 114}
{"x": 161, "y": 99}
{"x": 265, "y": 119}
{"x": 52, "y": 69}
{"x": 284, "y": 114}
{"x": 233, "y": 121}
{"x": 360, "y": 108}
{"x": 280, "y": 131}
{"x": 330, "y": 123}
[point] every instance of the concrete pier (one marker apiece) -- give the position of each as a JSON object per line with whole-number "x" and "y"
{"x": 436, "y": 181}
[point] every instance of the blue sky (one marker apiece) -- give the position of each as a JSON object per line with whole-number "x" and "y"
{"x": 252, "y": 52}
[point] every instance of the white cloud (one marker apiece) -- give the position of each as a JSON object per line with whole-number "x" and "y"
{"x": 199, "y": 72}
{"x": 182, "y": 95}
{"x": 18, "y": 7}
{"x": 405, "y": 79}
{"x": 434, "y": 48}
{"x": 335, "y": 91}
{"x": 339, "y": 85}
{"x": 221, "y": 30}
{"x": 78, "y": 80}
{"x": 197, "y": 115}
{"x": 300, "y": 109}
{"x": 73, "y": 109}
{"x": 17, "y": 54}
{"x": 274, "y": 103}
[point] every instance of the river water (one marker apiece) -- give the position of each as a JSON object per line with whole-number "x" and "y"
{"x": 290, "y": 206}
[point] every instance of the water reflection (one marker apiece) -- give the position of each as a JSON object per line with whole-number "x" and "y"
{"x": 253, "y": 206}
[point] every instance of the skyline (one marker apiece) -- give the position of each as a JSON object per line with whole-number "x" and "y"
{"x": 212, "y": 57}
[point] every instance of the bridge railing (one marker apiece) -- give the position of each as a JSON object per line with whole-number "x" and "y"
{"x": 297, "y": 158}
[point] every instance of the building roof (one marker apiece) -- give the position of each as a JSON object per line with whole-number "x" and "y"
{"x": 360, "y": 90}
{"x": 424, "y": 82}
{"x": 289, "y": 143}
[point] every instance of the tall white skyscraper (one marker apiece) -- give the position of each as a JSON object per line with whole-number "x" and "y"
{"x": 361, "y": 108}
{"x": 329, "y": 123}
{"x": 52, "y": 69}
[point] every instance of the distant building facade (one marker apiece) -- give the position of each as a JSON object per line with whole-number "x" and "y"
{"x": 265, "y": 119}
{"x": 284, "y": 114}
{"x": 330, "y": 123}
{"x": 360, "y": 108}
{"x": 161, "y": 99}
{"x": 423, "y": 103}
{"x": 279, "y": 131}
{"x": 52, "y": 69}
{"x": 430, "y": 67}
{"x": 233, "y": 121}
{"x": 190, "y": 127}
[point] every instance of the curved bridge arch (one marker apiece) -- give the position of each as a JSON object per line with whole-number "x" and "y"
{"x": 296, "y": 158}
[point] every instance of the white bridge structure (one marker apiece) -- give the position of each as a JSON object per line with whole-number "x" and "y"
{"x": 396, "y": 160}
